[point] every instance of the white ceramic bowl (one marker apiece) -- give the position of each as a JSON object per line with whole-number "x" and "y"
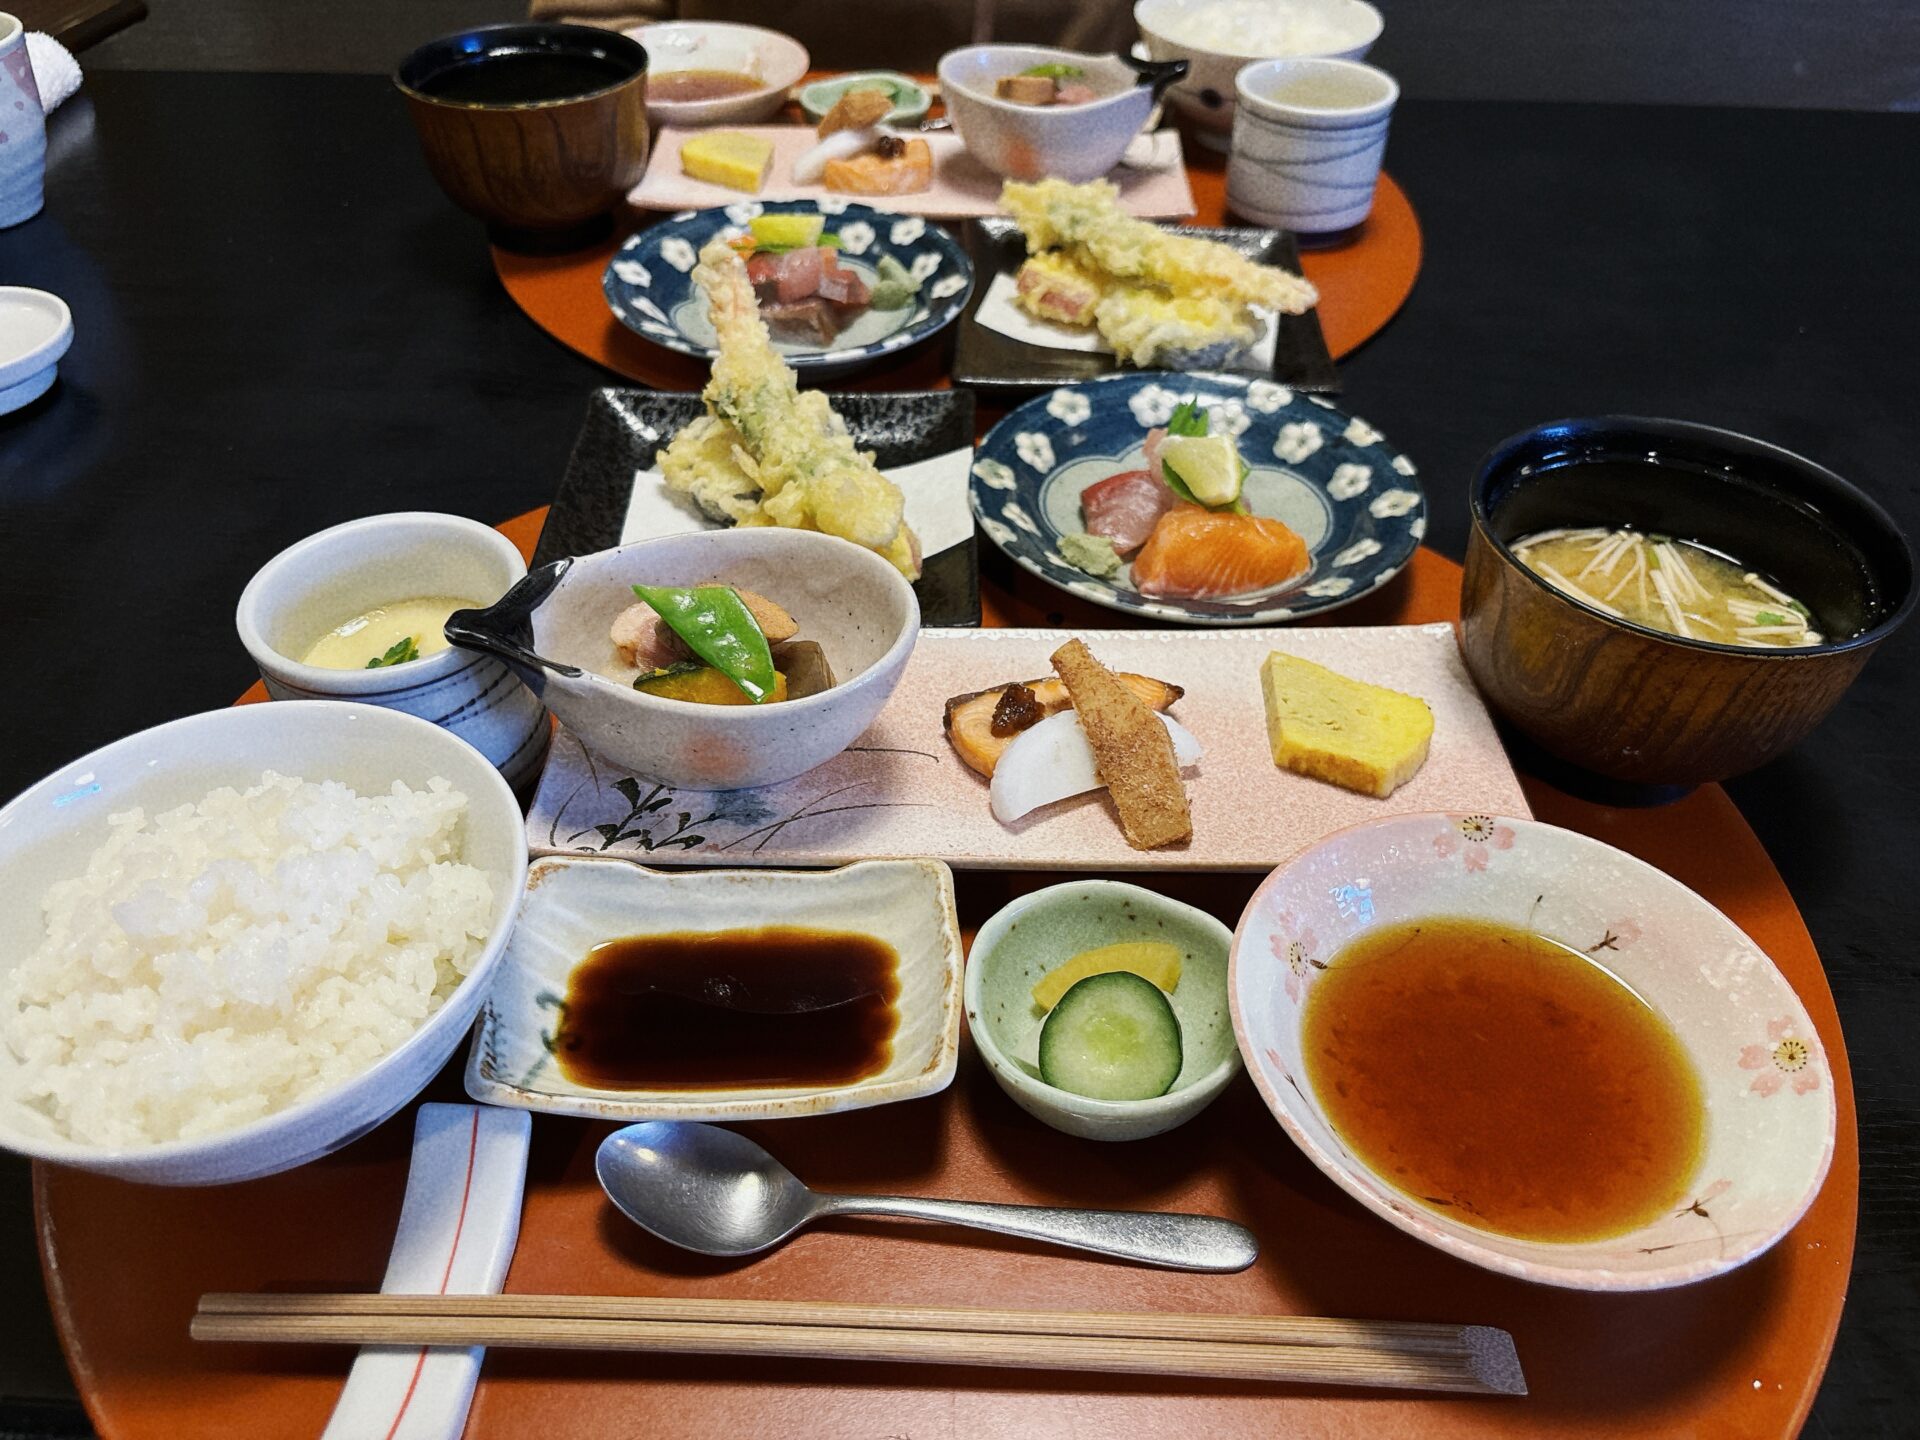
{"x": 1037, "y": 932}
{"x": 310, "y": 587}
{"x": 1033, "y": 142}
{"x": 553, "y": 629}
{"x": 1763, "y": 1072}
{"x": 575, "y": 904}
{"x": 779, "y": 61}
{"x": 1344, "y": 29}
{"x": 49, "y": 830}
{"x": 36, "y": 329}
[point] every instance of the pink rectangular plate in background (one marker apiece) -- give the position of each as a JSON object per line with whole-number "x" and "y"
{"x": 900, "y": 790}
{"x": 962, "y": 186}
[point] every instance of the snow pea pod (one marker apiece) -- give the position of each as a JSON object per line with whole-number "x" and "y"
{"x": 720, "y": 629}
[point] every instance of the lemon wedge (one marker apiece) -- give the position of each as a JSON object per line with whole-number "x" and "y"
{"x": 1208, "y": 465}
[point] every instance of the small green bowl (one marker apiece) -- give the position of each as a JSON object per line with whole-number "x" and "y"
{"x": 910, "y": 105}
{"x": 1037, "y": 932}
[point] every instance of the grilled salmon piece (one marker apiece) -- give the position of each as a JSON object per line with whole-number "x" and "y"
{"x": 875, "y": 174}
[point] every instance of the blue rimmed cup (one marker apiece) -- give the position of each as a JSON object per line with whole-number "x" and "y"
{"x": 311, "y": 587}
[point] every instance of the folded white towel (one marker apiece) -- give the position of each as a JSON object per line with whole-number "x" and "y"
{"x": 55, "y": 72}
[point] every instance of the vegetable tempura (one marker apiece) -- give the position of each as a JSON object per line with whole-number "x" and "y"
{"x": 1156, "y": 297}
{"x": 769, "y": 453}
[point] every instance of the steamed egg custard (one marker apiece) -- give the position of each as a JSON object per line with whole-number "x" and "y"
{"x": 387, "y": 634}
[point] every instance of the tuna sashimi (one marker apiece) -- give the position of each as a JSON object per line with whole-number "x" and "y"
{"x": 843, "y": 286}
{"x": 797, "y": 275}
{"x": 1196, "y": 554}
{"x": 1125, "y": 507}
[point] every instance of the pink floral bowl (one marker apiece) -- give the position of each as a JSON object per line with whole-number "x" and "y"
{"x": 1763, "y": 1072}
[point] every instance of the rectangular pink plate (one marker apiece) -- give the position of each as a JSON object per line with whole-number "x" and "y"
{"x": 961, "y": 186}
{"x": 900, "y": 790}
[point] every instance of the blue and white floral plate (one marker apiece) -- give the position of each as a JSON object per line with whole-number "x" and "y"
{"x": 649, "y": 281}
{"x": 1332, "y": 477}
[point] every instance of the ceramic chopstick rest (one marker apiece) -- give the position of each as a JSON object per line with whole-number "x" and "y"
{"x": 458, "y": 1226}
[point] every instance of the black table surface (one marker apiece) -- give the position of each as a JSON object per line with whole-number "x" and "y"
{"x": 281, "y": 325}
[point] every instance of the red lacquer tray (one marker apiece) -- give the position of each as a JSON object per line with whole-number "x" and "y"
{"x": 1363, "y": 281}
{"x": 1739, "y": 1356}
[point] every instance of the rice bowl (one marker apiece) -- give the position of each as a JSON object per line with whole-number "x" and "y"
{"x": 212, "y": 987}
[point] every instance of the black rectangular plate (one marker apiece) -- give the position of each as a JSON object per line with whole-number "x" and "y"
{"x": 989, "y": 360}
{"x": 625, "y": 429}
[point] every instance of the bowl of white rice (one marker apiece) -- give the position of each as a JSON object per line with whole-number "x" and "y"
{"x": 1219, "y": 37}
{"x": 235, "y": 942}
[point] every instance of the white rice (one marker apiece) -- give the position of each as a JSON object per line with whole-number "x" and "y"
{"x": 1259, "y": 27}
{"x": 222, "y": 961}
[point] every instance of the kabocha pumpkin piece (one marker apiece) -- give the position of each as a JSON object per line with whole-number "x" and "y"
{"x": 1132, "y": 751}
{"x": 981, "y": 724}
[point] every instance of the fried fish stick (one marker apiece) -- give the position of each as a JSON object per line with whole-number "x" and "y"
{"x": 1132, "y": 752}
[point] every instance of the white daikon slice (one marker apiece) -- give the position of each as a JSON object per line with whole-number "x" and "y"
{"x": 1053, "y": 760}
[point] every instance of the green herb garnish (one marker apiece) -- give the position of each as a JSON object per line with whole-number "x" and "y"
{"x": 1055, "y": 70}
{"x": 398, "y": 653}
{"x": 1768, "y": 617}
{"x": 1189, "y": 419}
{"x": 719, "y": 628}
{"x": 1800, "y": 610}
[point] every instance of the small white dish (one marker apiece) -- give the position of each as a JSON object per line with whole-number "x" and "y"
{"x": 1342, "y": 29}
{"x": 573, "y": 905}
{"x": 1038, "y": 932}
{"x": 554, "y": 630}
{"x": 50, "y": 829}
{"x": 36, "y": 329}
{"x": 1764, "y": 1075}
{"x": 1037, "y": 142}
{"x": 1308, "y": 139}
{"x": 331, "y": 576}
{"x": 778, "y": 61}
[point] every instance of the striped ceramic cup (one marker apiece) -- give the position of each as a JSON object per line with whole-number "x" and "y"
{"x": 1308, "y": 136}
{"x": 23, "y": 130}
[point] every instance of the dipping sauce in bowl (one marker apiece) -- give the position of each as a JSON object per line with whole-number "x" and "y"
{"x": 775, "y": 1006}
{"x": 1504, "y": 1079}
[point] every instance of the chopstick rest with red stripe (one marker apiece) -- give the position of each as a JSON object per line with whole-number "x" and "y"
{"x": 458, "y": 1226}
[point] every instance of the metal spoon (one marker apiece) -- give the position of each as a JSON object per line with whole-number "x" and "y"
{"x": 715, "y": 1191}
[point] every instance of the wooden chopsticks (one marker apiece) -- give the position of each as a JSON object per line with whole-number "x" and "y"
{"x": 1474, "y": 1359}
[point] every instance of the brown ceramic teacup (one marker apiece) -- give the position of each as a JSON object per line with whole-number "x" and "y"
{"x": 538, "y": 129}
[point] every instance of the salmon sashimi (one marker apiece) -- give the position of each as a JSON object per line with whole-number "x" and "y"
{"x": 1196, "y": 554}
{"x": 1125, "y": 507}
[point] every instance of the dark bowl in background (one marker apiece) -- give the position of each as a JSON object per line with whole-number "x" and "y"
{"x": 1634, "y": 704}
{"x": 533, "y": 167}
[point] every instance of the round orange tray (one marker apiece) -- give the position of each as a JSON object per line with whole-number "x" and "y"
{"x": 1363, "y": 281}
{"x": 1739, "y": 1356}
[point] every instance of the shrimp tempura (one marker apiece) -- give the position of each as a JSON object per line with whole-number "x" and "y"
{"x": 811, "y": 475}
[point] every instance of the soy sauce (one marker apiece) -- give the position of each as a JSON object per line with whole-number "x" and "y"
{"x": 525, "y": 77}
{"x": 780, "y": 1006}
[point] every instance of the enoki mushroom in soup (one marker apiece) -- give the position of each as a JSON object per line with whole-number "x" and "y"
{"x": 1678, "y": 586}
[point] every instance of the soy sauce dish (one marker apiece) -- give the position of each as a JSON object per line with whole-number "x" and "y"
{"x": 1671, "y": 705}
